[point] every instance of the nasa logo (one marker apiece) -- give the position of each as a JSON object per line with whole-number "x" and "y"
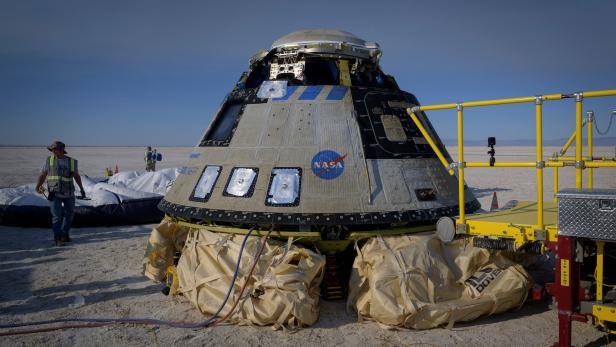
{"x": 328, "y": 164}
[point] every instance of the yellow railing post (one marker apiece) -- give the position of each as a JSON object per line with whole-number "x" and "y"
{"x": 555, "y": 168}
{"x": 589, "y": 119}
{"x": 578, "y": 140}
{"x": 459, "y": 108}
{"x": 540, "y": 162}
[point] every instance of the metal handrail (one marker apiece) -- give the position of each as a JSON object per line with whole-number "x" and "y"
{"x": 579, "y": 162}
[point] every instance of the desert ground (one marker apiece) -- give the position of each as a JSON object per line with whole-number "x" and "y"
{"x": 99, "y": 274}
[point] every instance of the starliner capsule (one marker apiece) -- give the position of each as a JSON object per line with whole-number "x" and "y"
{"x": 314, "y": 140}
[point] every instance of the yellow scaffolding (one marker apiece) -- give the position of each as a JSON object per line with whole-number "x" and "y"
{"x": 523, "y": 232}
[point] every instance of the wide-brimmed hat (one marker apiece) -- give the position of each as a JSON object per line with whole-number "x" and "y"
{"x": 58, "y": 145}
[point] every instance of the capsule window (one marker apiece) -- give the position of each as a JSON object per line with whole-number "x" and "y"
{"x": 205, "y": 185}
{"x": 241, "y": 182}
{"x": 321, "y": 72}
{"x": 223, "y": 127}
{"x": 284, "y": 187}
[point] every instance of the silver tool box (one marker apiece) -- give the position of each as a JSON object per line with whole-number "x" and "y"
{"x": 587, "y": 213}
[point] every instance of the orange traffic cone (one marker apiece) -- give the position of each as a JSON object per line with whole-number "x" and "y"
{"x": 116, "y": 169}
{"x": 494, "y": 205}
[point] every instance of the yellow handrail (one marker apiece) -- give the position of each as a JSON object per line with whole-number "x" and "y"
{"x": 431, "y": 142}
{"x": 493, "y": 102}
{"x": 580, "y": 162}
{"x": 587, "y": 158}
{"x": 501, "y": 164}
{"x": 597, "y": 93}
{"x": 596, "y": 164}
{"x": 567, "y": 144}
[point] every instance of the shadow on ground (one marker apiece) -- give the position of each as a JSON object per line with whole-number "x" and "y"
{"x": 601, "y": 341}
{"x": 25, "y": 250}
{"x": 28, "y": 243}
{"x": 62, "y": 296}
{"x": 528, "y": 309}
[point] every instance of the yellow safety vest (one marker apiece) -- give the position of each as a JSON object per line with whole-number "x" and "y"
{"x": 57, "y": 182}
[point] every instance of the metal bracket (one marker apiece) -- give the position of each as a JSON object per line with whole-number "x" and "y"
{"x": 541, "y": 235}
{"x": 538, "y": 100}
{"x": 579, "y": 164}
{"x": 455, "y": 165}
{"x": 590, "y": 116}
{"x": 540, "y": 164}
{"x": 461, "y": 229}
{"x": 414, "y": 109}
{"x": 579, "y": 96}
{"x": 459, "y": 106}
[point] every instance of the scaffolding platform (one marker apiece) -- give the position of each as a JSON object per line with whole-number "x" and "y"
{"x": 518, "y": 223}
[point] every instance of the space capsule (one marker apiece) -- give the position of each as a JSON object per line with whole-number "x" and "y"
{"x": 315, "y": 137}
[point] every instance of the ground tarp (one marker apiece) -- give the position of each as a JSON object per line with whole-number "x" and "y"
{"x": 419, "y": 282}
{"x": 126, "y": 198}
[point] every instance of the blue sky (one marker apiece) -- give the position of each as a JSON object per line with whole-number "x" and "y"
{"x": 154, "y": 72}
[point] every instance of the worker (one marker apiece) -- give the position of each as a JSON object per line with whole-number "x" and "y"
{"x": 150, "y": 159}
{"x": 154, "y": 158}
{"x": 60, "y": 170}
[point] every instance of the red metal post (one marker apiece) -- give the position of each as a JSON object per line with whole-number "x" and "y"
{"x": 566, "y": 289}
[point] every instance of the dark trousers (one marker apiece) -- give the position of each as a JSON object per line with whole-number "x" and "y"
{"x": 62, "y": 210}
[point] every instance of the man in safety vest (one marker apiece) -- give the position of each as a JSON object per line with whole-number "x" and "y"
{"x": 60, "y": 170}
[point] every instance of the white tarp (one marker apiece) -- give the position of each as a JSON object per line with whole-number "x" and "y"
{"x": 123, "y": 186}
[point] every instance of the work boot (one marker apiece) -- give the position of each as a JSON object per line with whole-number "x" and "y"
{"x": 59, "y": 243}
{"x": 66, "y": 238}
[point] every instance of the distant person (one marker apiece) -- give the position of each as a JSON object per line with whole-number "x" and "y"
{"x": 60, "y": 170}
{"x": 154, "y": 159}
{"x": 150, "y": 159}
